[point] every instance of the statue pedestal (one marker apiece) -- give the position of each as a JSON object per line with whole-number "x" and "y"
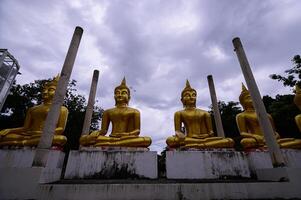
{"x": 13, "y": 160}
{"x": 97, "y": 163}
{"x": 260, "y": 159}
{"x": 206, "y": 164}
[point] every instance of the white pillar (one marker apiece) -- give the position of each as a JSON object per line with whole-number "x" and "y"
{"x": 54, "y": 112}
{"x": 217, "y": 115}
{"x": 91, "y": 101}
{"x": 264, "y": 121}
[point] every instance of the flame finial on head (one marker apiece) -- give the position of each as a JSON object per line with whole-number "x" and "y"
{"x": 53, "y": 82}
{"x": 243, "y": 94}
{"x": 123, "y": 82}
{"x": 187, "y": 84}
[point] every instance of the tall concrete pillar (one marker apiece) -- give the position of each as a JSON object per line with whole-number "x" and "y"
{"x": 216, "y": 112}
{"x": 54, "y": 112}
{"x": 91, "y": 101}
{"x": 264, "y": 121}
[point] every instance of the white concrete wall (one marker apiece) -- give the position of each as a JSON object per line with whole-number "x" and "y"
{"x": 20, "y": 160}
{"x": 24, "y": 186}
{"x": 262, "y": 160}
{"x": 111, "y": 164}
{"x": 211, "y": 164}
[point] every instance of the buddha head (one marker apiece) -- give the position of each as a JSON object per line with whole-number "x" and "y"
{"x": 122, "y": 93}
{"x": 297, "y": 98}
{"x": 245, "y": 98}
{"x": 188, "y": 96}
{"x": 49, "y": 89}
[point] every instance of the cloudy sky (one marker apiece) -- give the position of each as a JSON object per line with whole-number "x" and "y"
{"x": 156, "y": 45}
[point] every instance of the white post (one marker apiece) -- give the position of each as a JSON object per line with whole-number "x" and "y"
{"x": 91, "y": 101}
{"x": 41, "y": 155}
{"x": 264, "y": 121}
{"x": 217, "y": 115}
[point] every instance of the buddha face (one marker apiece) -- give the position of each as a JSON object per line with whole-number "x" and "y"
{"x": 247, "y": 101}
{"x": 189, "y": 98}
{"x": 48, "y": 93}
{"x": 121, "y": 96}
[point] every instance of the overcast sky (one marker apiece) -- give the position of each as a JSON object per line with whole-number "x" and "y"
{"x": 156, "y": 45}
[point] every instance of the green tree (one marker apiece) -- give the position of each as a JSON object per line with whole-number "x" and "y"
{"x": 162, "y": 163}
{"x": 22, "y": 97}
{"x": 293, "y": 75}
{"x": 228, "y": 114}
{"x": 283, "y": 111}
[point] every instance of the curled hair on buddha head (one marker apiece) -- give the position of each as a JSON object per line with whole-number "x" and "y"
{"x": 244, "y": 93}
{"x": 187, "y": 88}
{"x": 123, "y": 86}
{"x": 53, "y": 82}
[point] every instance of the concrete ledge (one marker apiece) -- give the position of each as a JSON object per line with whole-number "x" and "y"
{"x": 175, "y": 191}
{"x": 210, "y": 164}
{"x": 260, "y": 159}
{"x": 273, "y": 174}
{"x": 19, "y": 183}
{"x": 20, "y": 161}
{"x": 111, "y": 164}
{"x": 20, "y": 158}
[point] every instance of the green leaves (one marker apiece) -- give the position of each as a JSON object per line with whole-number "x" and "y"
{"x": 293, "y": 76}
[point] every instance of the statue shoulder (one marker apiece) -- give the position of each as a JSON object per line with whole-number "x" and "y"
{"x": 241, "y": 115}
{"x": 64, "y": 108}
{"x": 134, "y": 110}
{"x": 35, "y": 108}
{"x": 179, "y": 112}
{"x": 110, "y": 110}
{"x": 203, "y": 111}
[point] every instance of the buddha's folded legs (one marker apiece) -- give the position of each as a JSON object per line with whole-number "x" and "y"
{"x": 293, "y": 144}
{"x": 12, "y": 140}
{"x": 87, "y": 140}
{"x": 282, "y": 140}
{"x": 11, "y": 143}
{"x": 58, "y": 140}
{"x": 123, "y": 142}
{"x": 213, "y": 142}
{"x": 250, "y": 143}
{"x": 174, "y": 142}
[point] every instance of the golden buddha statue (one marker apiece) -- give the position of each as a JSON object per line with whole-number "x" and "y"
{"x": 125, "y": 124}
{"x": 30, "y": 133}
{"x": 250, "y": 129}
{"x": 297, "y": 101}
{"x": 197, "y": 131}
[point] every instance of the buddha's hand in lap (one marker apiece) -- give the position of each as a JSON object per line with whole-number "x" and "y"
{"x": 4, "y": 132}
{"x": 125, "y": 135}
{"x": 34, "y": 133}
{"x": 94, "y": 134}
{"x": 128, "y": 136}
{"x": 180, "y": 135}
{"x": 258, "y": 138}
{"x": 201, "y": 136}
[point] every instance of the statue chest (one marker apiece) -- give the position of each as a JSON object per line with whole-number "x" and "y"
{"x": 121, "y": 116}
{"x": 193, "y": 117}
{"x": 40, "y": 113}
